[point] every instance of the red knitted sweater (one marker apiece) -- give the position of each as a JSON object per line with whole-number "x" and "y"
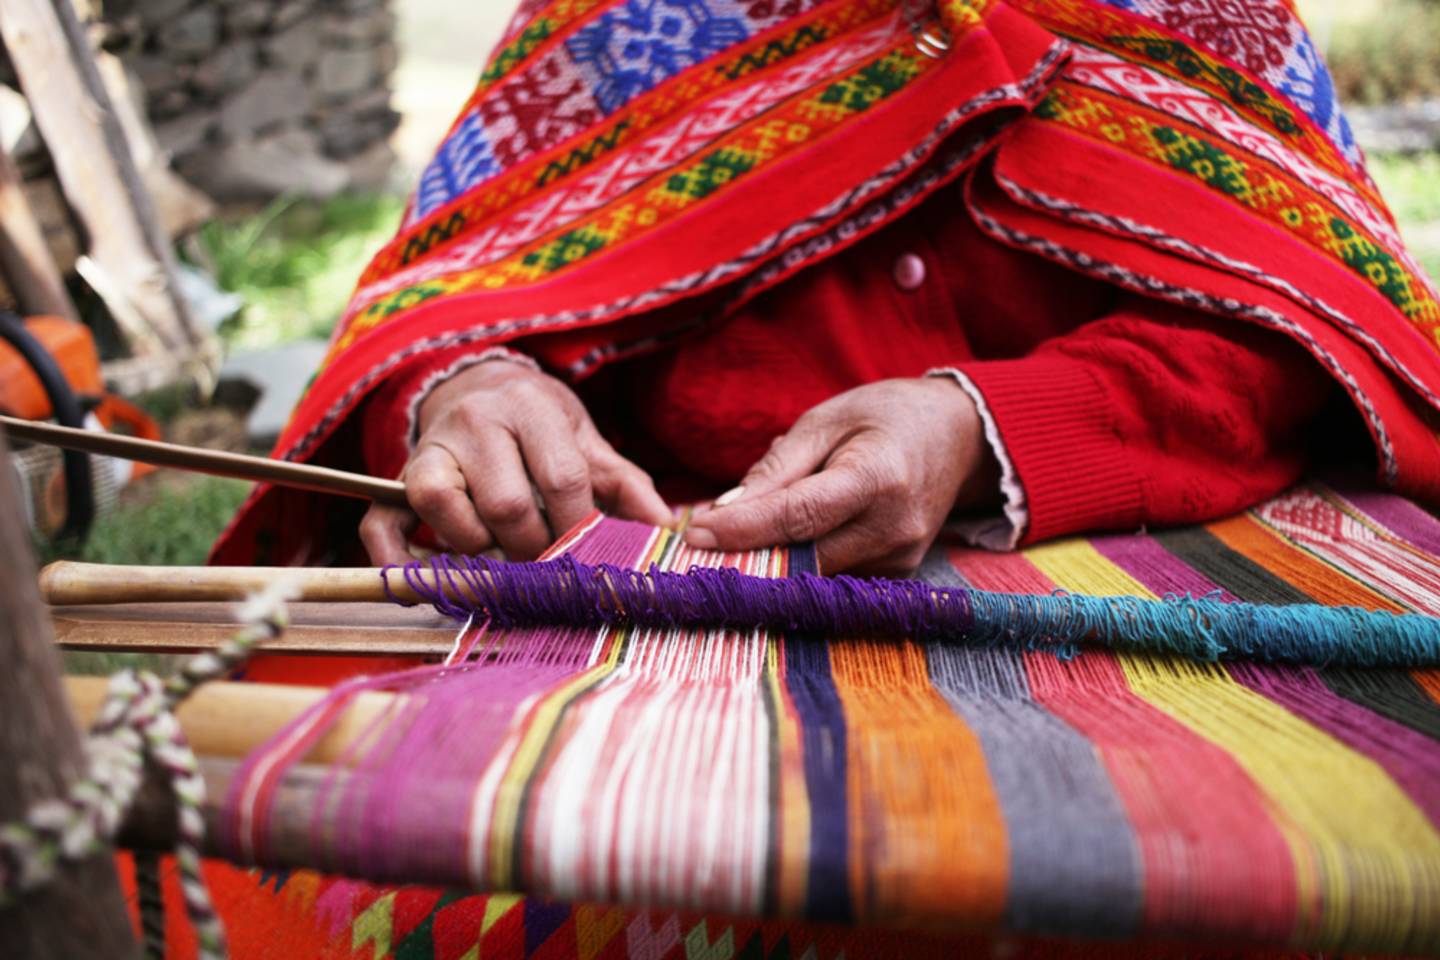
{"x": 1112, "y": 411}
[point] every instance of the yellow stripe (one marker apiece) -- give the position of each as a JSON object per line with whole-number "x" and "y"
{"x": 1367, "y": 859}
{"x": 792, "y": 872}
{"x": 505, "y": 818}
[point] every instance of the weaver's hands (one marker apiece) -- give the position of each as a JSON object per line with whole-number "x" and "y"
{"x": 496, "y": 441}
{"x": 870, "y": 475}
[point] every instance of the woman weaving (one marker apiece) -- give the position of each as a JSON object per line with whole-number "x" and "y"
{"x": 1016, "y": 333}
{"x": 874, "y": 267}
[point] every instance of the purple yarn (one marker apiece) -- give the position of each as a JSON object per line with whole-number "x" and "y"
{"x": 568, "y": 592}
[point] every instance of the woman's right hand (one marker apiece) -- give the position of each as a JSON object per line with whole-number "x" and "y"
{"x": 497, "y": 441}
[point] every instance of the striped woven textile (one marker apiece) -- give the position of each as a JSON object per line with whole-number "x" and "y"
{"x": 922, "y": 787}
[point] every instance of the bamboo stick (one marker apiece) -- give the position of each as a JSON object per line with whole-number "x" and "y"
{"x": 69, "y": 583}
{"x": 225, "y": 722}
{"x": 219, "y": 463}
{"x": 234, "y": 719}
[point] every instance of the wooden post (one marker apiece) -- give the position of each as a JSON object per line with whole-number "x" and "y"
{"x": 25, "y": 259}
{"x": 81, "y": 914}
{"x": 127, "y": 244}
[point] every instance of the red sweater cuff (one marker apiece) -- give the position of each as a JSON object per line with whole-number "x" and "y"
{"x": 1055, "y": 420}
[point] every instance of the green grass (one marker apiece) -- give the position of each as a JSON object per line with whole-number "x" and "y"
{"x": 1411, "y": 185}
{"x": 164, "y": 520}
{"x": 295, "y": 263}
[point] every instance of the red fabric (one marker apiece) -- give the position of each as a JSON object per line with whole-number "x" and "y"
{"x": 1115, "y": 410}
{"x": 1123, "y": 212}
{"x": 1062, "y": 167}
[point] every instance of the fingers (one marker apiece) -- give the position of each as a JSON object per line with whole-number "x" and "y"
{"x": 436, "y": 489}
{"x": 501, "y": 493}
{"x": 806, "y": 510}
{"x": 552, "y": 452}
{"x": 793, "y": 455}
{"x": 383, "y": 531}
{"x": 857, "y": 548}
{"x": 623, "y": 489}
{"x": 494, "y": 440}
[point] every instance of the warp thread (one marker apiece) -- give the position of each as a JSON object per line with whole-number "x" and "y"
{"x": 566, "y": 591}
{"x": 137, "y": 723}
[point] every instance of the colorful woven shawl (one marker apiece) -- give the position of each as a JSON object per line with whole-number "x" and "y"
{"x": 922, "y": 785}
{"x": 620, "y": 158}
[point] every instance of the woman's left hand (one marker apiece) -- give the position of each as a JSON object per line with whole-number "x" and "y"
{"x": 870, "y": 475}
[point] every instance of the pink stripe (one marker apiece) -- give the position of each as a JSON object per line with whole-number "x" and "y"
{"x": 1158, "y": 569}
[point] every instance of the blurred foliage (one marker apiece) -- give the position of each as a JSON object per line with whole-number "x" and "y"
{"x": 1391, "y": 55}
{"x": 295, "y": 262}
{"x": 1411, "y": 185}
{"x": 168, "y": 402}
{"x": 166, "y": 519}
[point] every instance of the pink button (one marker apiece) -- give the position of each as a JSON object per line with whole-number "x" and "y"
{"x": 909, "y": 272}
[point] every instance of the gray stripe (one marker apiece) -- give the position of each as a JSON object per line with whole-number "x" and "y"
{"x": 1075, "y": 866}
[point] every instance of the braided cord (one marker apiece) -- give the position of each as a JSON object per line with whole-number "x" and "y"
{"x": 137, "y": 723}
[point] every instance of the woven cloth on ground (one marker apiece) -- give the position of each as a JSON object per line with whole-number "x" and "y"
{"x": 625, "y": 162}
{"x": 932, "y": 787}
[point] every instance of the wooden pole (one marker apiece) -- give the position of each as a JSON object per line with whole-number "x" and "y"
{"x": 230, "y": 720}
{"x": 25, "y": 259}
{"x": 126, "y": 242}
{"x": 67, "y": 583}
{"x": 222, "y": 463}
{"x": 81, "y": 913}
{"x": 151, "y": 823}
{"x": 365, "y": 629}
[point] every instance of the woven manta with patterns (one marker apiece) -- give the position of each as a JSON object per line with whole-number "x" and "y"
{"x": 925, "y": 785}
{"x": 627, "y": 170}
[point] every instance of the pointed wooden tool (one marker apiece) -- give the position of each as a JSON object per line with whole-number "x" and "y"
{"x": 219, "y": 463}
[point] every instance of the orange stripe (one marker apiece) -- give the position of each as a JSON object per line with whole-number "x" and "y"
{"x": 926, "y": 834}
{"x": 1318, "y": 580}
{"x": 678, "y": 95}
{"x": 1429, "y": 681}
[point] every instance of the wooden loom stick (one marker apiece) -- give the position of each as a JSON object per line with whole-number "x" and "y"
{"x": 217, "y": 462}
{"x": 223, "y": 723}
{"x": 230, "y": 720}
{"x": 67, "y": 582}
{"x": 366, "y": 629}
{"x": 150, "y": 823}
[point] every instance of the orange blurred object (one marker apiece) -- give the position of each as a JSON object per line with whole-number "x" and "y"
{"x": 73, "y": 348}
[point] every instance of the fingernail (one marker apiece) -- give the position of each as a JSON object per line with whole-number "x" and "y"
{"x": 729, "y": 497}
{"x": 701, "y": 538}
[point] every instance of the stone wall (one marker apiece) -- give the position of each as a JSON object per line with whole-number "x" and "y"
{"x": 247, "y": 99}
{"x": 253, "y": 98}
